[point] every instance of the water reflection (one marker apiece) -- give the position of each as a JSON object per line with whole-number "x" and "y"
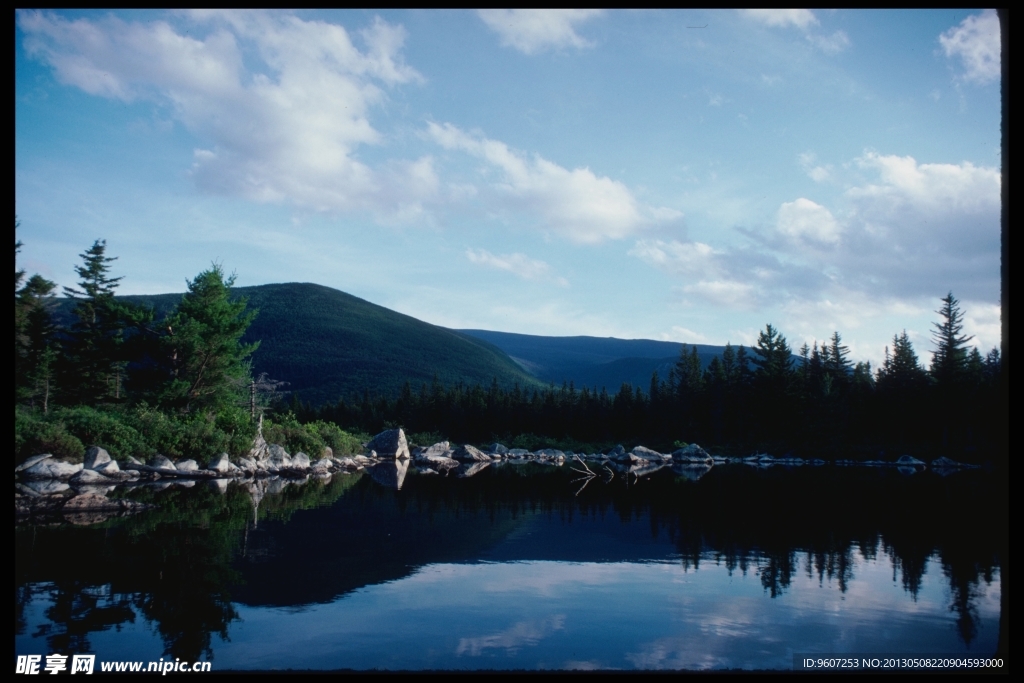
{"x": 811, "y": 538}
{"x": 390, "y": 474}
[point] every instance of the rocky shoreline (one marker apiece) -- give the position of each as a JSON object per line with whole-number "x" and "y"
{"x": 45, "y": 485}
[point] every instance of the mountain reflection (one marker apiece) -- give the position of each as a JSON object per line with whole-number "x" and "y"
{"x": 186, "y": 566}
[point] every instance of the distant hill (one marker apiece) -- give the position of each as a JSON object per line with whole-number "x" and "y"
{"x": 592, "y": 361}
{"x": 328, "y": 344}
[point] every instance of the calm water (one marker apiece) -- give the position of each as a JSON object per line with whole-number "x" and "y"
{"x": 511, "y": 568}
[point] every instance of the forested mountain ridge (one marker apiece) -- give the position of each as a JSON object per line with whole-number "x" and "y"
{"x": 328, "y": 344}
{"x": 596, "y": 362}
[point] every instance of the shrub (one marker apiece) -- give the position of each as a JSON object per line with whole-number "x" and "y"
{"x": 34, "y": 435}
{"x": 339, "y": 441}
{"x": 106, "y": 429}
{"x": 294, "y": 437}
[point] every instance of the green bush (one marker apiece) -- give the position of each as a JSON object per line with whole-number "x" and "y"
{"x": 339, "y": 441}
{"x": 425, "y": 438}
{"x": 34, "y": 435}
{"x": 286, "y": 431}
{"x": 105, "y": 429}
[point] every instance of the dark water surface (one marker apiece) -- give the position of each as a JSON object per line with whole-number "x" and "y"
{"x": 740, "y": 568}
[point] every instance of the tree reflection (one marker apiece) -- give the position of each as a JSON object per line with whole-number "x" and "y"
{"x": 184, "y": 566}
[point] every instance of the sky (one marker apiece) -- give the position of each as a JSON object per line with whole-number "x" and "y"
{"x": 679, "y": 175}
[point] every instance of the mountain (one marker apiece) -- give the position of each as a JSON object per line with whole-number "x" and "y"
{"x": 328, "y": 344}
{"x": 592, "y": 361}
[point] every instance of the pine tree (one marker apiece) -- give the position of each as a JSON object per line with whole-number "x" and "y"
{"x": 901, "y": 369}
{"x": 207, "y": 359}
{"x": 774, "y": 359}
{"x": 949, "y": 364}
{"x": 839, "y": 364}
{"x": 93, "y": 371}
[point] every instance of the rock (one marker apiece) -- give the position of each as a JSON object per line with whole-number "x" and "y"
{"x": 909, "y": 461}
{"x": 247, "y": 465}
{"x": 497, "y": 449}
{"x": 51, "y": 469}
{"x": 440, "y": 448}
{"x": 187, "y": 466}
{"x": 94, "y": 457}
{"x": 161, "y": 462}
{"x": 219, "y": 485}
{"x": 427, "y": 470}
{"x": 108, "y": 468}
{"x": 692, "y": 453}
{"x": 279, "y": 457}
{"x": 323, "y": 465}
{"x": 300, "y": 461}
{"x": 89, "y": 478}
{"x": 220, "y": 463}
{"x": 614, "y": 453}
{"x": 32, "y": 461}
{"x": 390, "y": 444}
{"x": 467, "y": 453}
{"x": 133, "y": 461}
{"x": 328, "y": 452}
{"x": 648, "y": 454}
{"x": 518, "y": 452}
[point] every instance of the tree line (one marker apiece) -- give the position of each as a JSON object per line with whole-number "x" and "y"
{"x": 814, "y": 401}
{"x": 118, "y": 375}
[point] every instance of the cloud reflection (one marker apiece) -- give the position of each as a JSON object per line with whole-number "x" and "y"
{"x": 522, "y": 633}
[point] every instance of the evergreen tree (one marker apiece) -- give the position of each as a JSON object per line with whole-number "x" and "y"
{"x": 774, "y": 359}
{"x": 93, "y": 372}
{"x": 839, "y": 365}
{"x": 949, "y": 364}
{"x": 207, "y": 359}
{"x": 901, "y": 369}
{"x": 35, "y": 350}
{"x": 35, "y": 342}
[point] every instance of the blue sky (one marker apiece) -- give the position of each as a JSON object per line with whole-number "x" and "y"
{"x": 681, "y": 175}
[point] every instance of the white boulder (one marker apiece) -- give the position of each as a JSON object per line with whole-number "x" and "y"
{"x": 95, "y": 457}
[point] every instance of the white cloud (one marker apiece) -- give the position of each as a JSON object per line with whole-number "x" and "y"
{"x": 727, "y": 293}
{"x": 801, "y": 18}
{"x": 977, "y": 43}
{"x": 685, "y": 335}
{"x": 280, "y": 104}
{"x": 807, "y": 222}
{"x": 930, "y": 189}
{"x": 684, "y": 258}
{"x": 906, "y": 232}
{"x": 518, "y": 264}
{"x": 817, "y": 173}
{"x": 833, "y": 44}
{"x": 533, "y": 30}
{"x": 804, "y": 20}
{"x": 578, "y": 204}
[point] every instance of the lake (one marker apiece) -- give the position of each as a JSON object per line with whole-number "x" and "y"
{"x": 526, "y": 567}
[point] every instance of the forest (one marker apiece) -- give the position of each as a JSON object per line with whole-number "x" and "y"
{"x": 183, "y": 382}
